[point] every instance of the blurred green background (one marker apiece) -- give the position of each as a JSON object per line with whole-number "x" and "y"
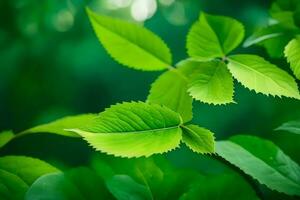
{"x": 52, "y": 65}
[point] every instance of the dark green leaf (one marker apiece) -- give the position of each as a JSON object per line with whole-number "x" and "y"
{"x": 262, "y": 160}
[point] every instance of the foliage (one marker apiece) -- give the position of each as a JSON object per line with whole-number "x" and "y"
{"x": 152, "y": 178}
{"x": 159, "y": 125}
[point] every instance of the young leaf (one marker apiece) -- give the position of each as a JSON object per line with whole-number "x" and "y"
{"x": 212, "y": 83}
{"x": 17, "y": 173}
{"x": 291, "y": 127}
{"x": 170, "y": 89}
{"x": 79, "y": 183}
{"x": 131, "y": 44}
{"x": 134, "y": 129}
{"x": 259, "y": 75}
{"x": 262, "y": 160}
{"x": 5, "y": 137}
{"x": 213, "y": 36}
{"x": 292, "y": 53}
{"x": 198, "y": 139}
{"x": 220, "y": 187}
{"x": 58, "y": 126}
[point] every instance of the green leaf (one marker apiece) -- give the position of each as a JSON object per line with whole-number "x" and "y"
{"x": 123, "y": 187}
{"x": 11, "y": 186}
{"x": 17, "y": 173}
{"x": 283, "y": 11}
{"x": 79, "y": 183}
{"x": 213, "y": 36}
{"x": 160, "y": 178}
{"x": 292, "y": 53}
{"x": 211, "y": 83}
{"x": 198, "y": 139}
{"x": 261, "y": 76}
{"x": 170, "y": 89}
{"x": 28, "y": 169}
{"x": 131, "y": 44}
{"x": 273, "y": 38}
{"x": 134, "y": 129}
{"x": 275, "y": 46}
{"x": 263, "y": 34}
{"x": 220, "y": 187}
{"x": 59, "y": 126}
{"x": 291, "y": 127}
{"x": 262, "y": 160}
{"x": 5, "y": 137}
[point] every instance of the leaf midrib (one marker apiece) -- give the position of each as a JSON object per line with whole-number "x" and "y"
{"x": 125, "y": 132}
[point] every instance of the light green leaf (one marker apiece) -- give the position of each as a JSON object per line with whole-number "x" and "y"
{"x": 5, "y": 137}
{"x": 59, "y": 126}
{"x": 213, "y": 36}
{"x": 131, "y": 44}
{"x": 17, "y": 173}
{"x": 262, "y": 160}
{"x": 220, "y": 187}
{"x": 291, "y": 127}
{"x": 211, "y": 83}
{"x": 198, "y": 139}
{"x": 292, "y": 53}
{"x": 79, "y": 183}
{"x": 261, "y": 76}
{"x": 134, "y": 129}
{"x": 170, "y": 89}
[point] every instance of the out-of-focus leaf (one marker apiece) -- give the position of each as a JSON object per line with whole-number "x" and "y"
{"x": 262, "y": 160}
{"x": 11, "y": 186}
{"x": 291, "y": 127}
{"x": 123, "y": 187}
{"x": 263, "y": 34}
{"x": 17, "y": 173}
{"x": 292, "y": 53}
{"x": 58, "y": 126}
{"x": 170, "y": 89}
{"x": 131, "y": 44}
{"x": 213, "y": 36}
{"x": 134, "y": 129}
{"x": 220, "y": 187}
{"x": 259, "y": 75}
{"x": 5, "y": 137}
{"x": 79, "y": 183}
{"x": 155, "y": 173}
{"x": 28, "y": 169}
{"x": 283, "y": 11}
